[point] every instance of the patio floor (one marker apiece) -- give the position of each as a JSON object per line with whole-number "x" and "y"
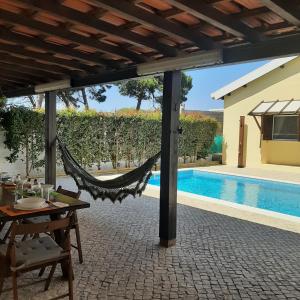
{"x": 216, "y": 257}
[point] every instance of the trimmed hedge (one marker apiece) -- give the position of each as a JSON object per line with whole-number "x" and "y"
{"x": 93, "y": 137}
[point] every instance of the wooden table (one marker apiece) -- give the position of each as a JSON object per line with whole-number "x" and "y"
{"x": 55, "y": 213}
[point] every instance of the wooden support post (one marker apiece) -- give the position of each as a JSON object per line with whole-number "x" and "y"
{"x": 50, "y": 137}
{"x": 241, "y": 163}
{"x": 169, "y": 158}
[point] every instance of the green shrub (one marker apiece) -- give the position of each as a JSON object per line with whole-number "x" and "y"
{"x": 94, "y": 137}
{"x": 24, "y": 136}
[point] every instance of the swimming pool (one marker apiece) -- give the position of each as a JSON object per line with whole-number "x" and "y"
{"x": 271, "y": 195}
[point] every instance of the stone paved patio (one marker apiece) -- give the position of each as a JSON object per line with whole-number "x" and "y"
{"x": 216, "y": 257}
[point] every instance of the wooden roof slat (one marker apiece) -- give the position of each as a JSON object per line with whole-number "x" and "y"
{"x": 9, "y": 81}
{"x": 71, "y": 36}
{"x": 157, "y": 22}
{"x": 285, "y": 9}
{"x": 274, "y": 27}
{"x": 71, "y": 64}
{"x": 35, "y": 65}
{"x": 15, "y": 73}
{"x": 11, "y": 78}
{"x": 8, "y": 35}
{"x": 275, "y": 47}
{"x": 251, "y": 12}
{"x": 19, "y": 91}
{"x": 77, "y": 17}
{"x": 170, "y": 13}
{"x": 4, "y": 85}
{"x": 218, "y": 19}
{"x": 29, "y": 71}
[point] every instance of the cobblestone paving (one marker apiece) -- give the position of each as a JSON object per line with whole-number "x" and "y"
{"x": 216, "y": 257}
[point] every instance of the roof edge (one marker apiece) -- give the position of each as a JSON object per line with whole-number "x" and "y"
{"x": 251, "y": 76}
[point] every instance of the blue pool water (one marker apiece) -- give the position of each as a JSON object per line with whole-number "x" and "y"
{"x": 271, "y": 195}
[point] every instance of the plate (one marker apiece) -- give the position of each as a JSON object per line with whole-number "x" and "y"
{"x": 21, "y": 207}
{"x": 31, "y": 202}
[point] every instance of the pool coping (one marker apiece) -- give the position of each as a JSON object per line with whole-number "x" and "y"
{"x": 240, "y": 211}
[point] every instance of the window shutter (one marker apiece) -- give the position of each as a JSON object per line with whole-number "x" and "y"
{"x": 267, "y": 127}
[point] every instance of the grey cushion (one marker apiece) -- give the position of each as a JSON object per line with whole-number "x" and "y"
{"x": 33, "y": 251}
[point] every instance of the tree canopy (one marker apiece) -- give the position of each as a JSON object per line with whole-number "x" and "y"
{"x": 83, "y": 96}
{"x": 73, "y": 98}
{"x": 140, "y": 89}
{"x": 186, "y": 86}
{"x": 151, "y": 88}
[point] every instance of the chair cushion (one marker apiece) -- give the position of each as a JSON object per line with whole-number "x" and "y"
{"x": 35, "y": 220}
{"x": 34, "y": 251}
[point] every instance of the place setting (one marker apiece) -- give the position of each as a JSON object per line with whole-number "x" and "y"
{"x": 38, "y": 197}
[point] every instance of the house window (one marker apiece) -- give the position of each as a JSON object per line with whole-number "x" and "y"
{"x": 285, "y": 127}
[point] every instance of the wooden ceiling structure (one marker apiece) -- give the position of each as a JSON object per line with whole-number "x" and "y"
{"x": 97, "y": 41}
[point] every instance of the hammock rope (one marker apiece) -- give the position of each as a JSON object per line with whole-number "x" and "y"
{"x": 132, "y": 183}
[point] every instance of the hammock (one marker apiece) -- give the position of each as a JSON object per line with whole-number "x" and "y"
{"x": 132, "y": 183}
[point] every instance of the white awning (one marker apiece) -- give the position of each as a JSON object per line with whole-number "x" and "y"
{"x": 276, "y": 108}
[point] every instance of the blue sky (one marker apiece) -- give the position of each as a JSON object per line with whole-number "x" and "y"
{"x": 205, "y": 82}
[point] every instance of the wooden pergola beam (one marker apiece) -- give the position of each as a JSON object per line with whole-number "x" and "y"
{"x": 21, "y": 39}
{"x": 157, "y": 22}
{"x": 49, "y": 58}
{"x": 21, "y": 81}
{"x": 77, "y": 17}
{"x": 20, "y": 91}
{"x": 4, "y": 83}
{"x": 217, "y": 19}
{"x": 9, "y": 71}
{"x": 273, "y": 27}
{"x": 285, "y": 9}
{"x": 11, "y": 82}
{"x": 17, "y": 19}
{"x": 35, "y": 65}
{"x": 276, "y": 47}
{"x": 29, "y": 71}
{"x": 251, "y": 12}
{"x": 105, "y": 77}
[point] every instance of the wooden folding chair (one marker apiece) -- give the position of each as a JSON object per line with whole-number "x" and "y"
{"x": 21, "y": 257}
{"x": 75, "y": 226}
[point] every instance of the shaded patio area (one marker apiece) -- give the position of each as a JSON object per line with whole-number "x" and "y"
{"x": 215, "y": 257}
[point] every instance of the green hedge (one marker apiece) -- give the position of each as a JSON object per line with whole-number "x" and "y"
{"x": 100, "y": 137}
{"x": 24, "y": 136}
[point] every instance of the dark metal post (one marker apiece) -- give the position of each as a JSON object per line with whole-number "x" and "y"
{"x": 50, "y": 137}
{"x": 169, "y": 158}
